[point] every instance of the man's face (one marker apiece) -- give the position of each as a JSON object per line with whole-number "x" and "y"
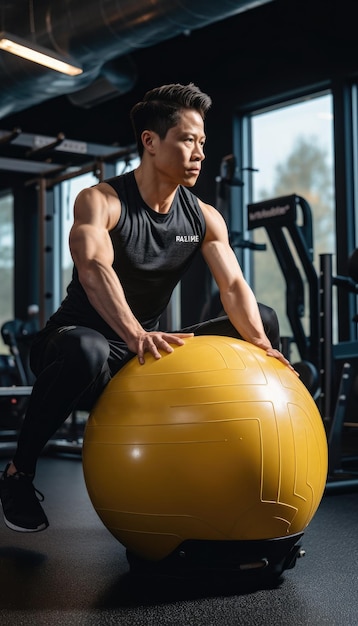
{"x": 179, "y": 155}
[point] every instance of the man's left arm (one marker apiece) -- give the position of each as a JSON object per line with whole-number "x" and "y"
{"x": 236, "y": 295}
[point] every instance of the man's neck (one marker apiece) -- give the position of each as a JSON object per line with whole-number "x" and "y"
{"x": 156, "y": 192}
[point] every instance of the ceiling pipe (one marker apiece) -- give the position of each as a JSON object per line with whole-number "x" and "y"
{"x": 93, "y": 33}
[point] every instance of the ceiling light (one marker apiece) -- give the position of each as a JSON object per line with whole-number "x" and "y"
{"x": 33, "y": 52}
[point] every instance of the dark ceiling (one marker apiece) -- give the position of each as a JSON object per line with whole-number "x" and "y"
{"x": 275, "y": 48}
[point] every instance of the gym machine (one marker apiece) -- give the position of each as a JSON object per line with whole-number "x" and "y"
{"x": 279, "y": 218}
{"x": 339, "y": 383}
{"x": 16, "y": 380}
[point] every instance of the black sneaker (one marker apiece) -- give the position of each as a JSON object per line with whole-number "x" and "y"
{"x": 21, "y": 507}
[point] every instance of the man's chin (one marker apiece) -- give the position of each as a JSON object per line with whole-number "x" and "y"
{"x": 190, "y": 181}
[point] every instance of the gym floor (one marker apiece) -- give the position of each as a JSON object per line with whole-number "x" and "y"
{"x": 76, "y": 573}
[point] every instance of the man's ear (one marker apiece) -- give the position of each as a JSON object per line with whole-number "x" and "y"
{"x": 148, "y": 141}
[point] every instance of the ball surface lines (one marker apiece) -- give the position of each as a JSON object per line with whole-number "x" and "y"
{"x": 215, "y": 441}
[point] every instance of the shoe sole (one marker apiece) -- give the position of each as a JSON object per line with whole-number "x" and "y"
{"x": 20, "y": 529}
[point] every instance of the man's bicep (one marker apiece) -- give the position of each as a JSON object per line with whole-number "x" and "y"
{"x": 89, "y": 237}
{"x": 90, "y": 243}
{"x": 222, "y": 263}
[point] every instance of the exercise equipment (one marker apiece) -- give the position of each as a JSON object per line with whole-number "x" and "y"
{"x": 212, "y": 458}
{"x": 16, "y": 380}
{"x": 12, "y": 403}
{"x": 279, "y": 217}
{"x": 225, "y": 182}
{"x": 18, "y": 335}
{"x": 15, "y": 384}
{"x": 338, "y": 400}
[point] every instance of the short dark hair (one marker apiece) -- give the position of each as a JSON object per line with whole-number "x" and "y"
{"x": 160, "y": 109}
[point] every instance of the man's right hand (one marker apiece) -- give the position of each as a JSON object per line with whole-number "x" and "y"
{"x": 154, "y": 341}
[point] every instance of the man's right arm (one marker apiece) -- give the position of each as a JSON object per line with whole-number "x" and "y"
{"x": 96, "y": 212}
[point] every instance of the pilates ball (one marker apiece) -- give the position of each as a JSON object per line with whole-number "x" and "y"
{"x": 215, "y": 441}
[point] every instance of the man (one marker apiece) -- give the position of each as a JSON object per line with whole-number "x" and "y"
{"x": 132, "y": 239}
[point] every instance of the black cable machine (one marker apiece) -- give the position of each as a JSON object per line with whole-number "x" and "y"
{"x": 15, "y": 384}
{"x": 339, "y": 386}
{"x": 279, "y": 218}
{"x": 16, "y": 380}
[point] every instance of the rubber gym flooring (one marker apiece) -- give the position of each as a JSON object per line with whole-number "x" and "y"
{"x": 76, "y": 573}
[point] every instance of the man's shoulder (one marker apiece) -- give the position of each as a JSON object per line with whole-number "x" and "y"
{"x": 191, "y": 195}
{"x": 188, "y": 195}
{"x": 121, "y": 181}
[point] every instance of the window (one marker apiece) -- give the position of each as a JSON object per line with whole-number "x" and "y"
{"x": 6, "y": 260}
{"x": 292, "y": 149}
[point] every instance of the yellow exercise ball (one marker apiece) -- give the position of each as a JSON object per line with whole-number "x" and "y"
{"x": 215, "y": 441}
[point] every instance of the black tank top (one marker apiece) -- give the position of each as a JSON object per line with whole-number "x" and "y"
{"x": 152, "y": 251}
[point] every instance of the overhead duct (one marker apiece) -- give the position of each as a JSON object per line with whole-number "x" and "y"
{"x": 93, "y": 33}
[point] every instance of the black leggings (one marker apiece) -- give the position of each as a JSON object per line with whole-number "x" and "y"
{"x": 73, "y": 364}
